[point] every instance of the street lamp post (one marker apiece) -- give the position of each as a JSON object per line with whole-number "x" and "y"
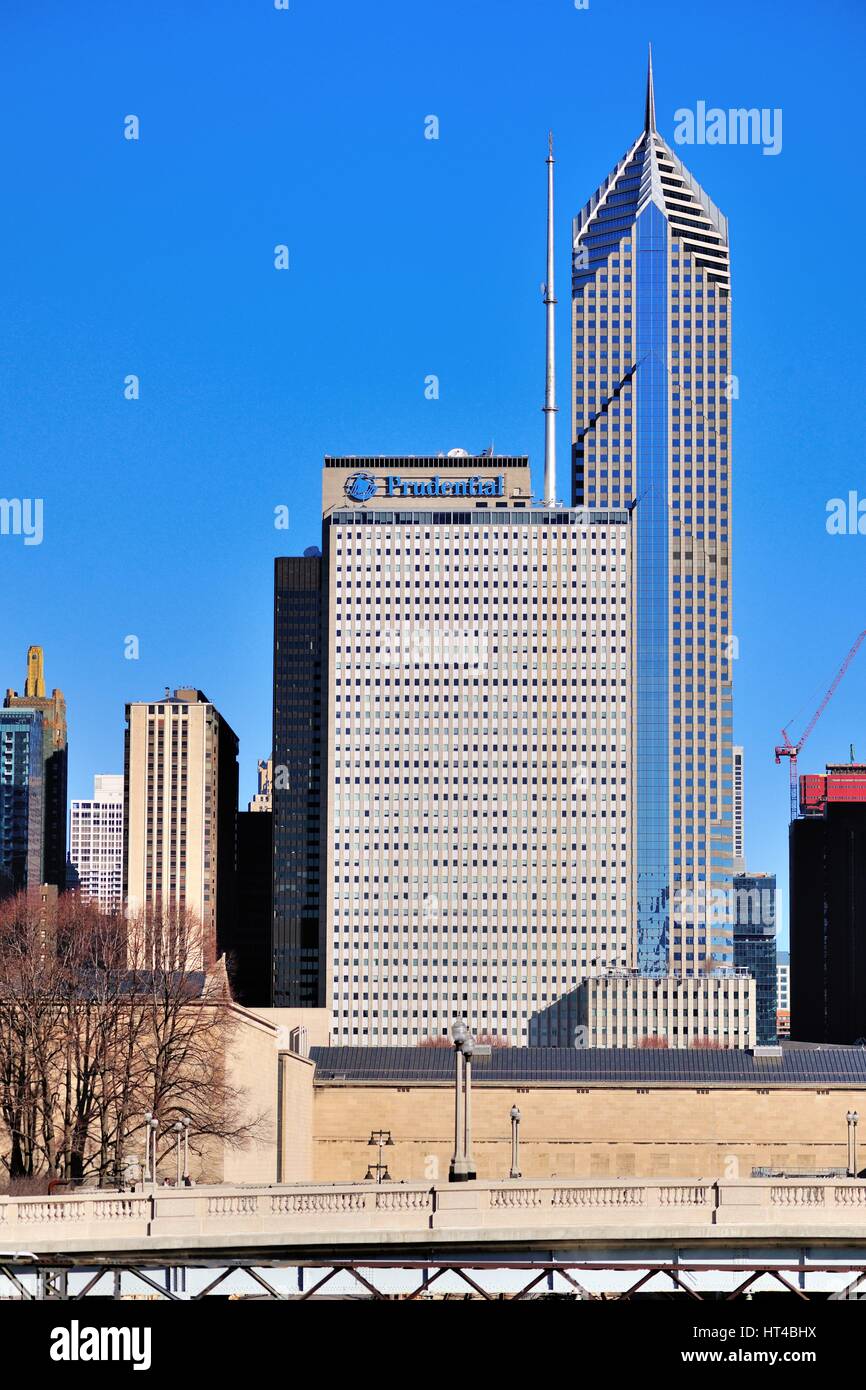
{"x": 462, "y": 1167}
{"x": 177, "y": 1129}
{"x": 515, "y": 1142}
{"x": 186, "y": 1122}
{"x": 151, "y": 1127}
{"x": 382, "y": 1139}
{"x": 458, "y": 1171}
{"x": 468, "y": 1049}
{"x": 852, "y": 1117}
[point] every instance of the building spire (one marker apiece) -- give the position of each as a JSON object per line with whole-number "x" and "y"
{"x": 650, "y": 118}
{"x": 550, "y": 376}
{"x": 34, "y": 684}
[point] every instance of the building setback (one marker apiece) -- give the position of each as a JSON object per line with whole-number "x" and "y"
{"x": 477, "y": 782}
{"x": 52, "y": 709}
{"x": 651, "y": 429}
{"x": 180, "y": 804}
{"x": 96, "y": 842}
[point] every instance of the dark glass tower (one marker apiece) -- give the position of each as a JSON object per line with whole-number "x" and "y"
{"x": 828, "y": 924}
{"x": 755, "y": 945}
{"x": 651, "y": 420}
{"x": 297, "y": 940}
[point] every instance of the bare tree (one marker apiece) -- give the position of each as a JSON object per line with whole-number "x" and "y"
{"x": 99, "y": 1025}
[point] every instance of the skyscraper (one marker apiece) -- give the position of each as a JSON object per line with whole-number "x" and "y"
{"x": 828, "y": 907}
{"x": 22, "y": 817}
{"x": 651, "y": 431}
{"x": 52, "y": 709}
{"x": 755, "y": 945}
{"x": 478, "y": 836}
{"x": 180, "y": 804}
{"x": 96, "y": 842}
{"x": 298, "y": 930}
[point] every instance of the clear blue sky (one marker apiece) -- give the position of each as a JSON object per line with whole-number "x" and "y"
{"x": 408, "y": 257}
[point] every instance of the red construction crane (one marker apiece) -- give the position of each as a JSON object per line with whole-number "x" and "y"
{"x": 790, "y": 750}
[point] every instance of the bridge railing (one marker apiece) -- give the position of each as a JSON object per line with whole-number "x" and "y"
{"x": 96, "y": 1220}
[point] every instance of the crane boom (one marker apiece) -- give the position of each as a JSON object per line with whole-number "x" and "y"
{"x": 789, "y": 750}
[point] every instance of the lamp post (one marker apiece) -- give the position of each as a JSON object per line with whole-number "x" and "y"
{"x": 186, "y": 1122}
{"x": 515, "y": 1142}
{"x": 177, "y": 1129}
{"x": 458, "y": 1171}
{"x": 468, "y": 1050}
{"x": 152, "y": 1125}
{"x": 852, "y": 1117}
{"x": 382, "y": 1139}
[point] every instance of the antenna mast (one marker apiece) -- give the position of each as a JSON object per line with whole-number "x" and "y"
{"x": 550, "y": 407}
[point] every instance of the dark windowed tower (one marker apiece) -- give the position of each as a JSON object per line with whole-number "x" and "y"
{"x": 755, "y": 945}
{"x": 828, "y": 907}
{"x": 298, "y": 973}
{"x": 52, "y": 849}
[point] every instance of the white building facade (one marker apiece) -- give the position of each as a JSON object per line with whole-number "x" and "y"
{"x": 96, "y": 842}
{"x": 478, "y": 776}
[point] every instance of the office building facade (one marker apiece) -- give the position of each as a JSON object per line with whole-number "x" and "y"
{"x": 180, "y": 805}
{"x": 52, "y": 709}
{"x": 827, "y": 846}
{"x": 298, "y": 932}
{"x": 478, "y": 837}
{"x": 755, "y": 946}
{"x": 624, "y": 1009}
{"x": 651, "y": 430}
{"x": 96, "y": 842}
{"x": 22, "y": 816}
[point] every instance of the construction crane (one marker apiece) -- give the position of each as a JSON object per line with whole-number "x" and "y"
{"x": 789, "y": 750}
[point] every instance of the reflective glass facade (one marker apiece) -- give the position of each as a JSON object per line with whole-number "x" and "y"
{"x": 755, "y": 945}
{"x": 651, "y": 430}
{"x": 652, "y": 587}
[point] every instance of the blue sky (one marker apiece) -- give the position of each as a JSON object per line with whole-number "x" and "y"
{"x": 407, "y": 257}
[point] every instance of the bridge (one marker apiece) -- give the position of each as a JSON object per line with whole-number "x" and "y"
{"x": 488, "y": 1239}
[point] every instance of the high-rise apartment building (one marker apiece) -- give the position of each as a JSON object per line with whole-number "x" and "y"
{"x": 22, "y": 816}
{"x": 52, "y": 709}
{"x": 298, "y": 934}
{"x": 96, "y": 842}
{"x": 180, "y": 803}
{"x": 477, "y": 670}
{"x": 651, "y": 430}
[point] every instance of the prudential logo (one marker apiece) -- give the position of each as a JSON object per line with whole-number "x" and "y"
{"x": 360, "y": 487}
{"x": 77, "y": 1343}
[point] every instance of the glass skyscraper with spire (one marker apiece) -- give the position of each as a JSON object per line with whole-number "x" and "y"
{"x": 651, "y": 432}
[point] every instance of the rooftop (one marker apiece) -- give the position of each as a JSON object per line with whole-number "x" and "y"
{"x": 800, "y": 1066}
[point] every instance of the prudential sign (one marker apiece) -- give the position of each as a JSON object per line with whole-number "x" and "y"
{"x": 362, "y": 487}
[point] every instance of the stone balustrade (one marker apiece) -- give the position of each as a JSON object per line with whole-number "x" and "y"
{"x": 551, "y": 1210}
